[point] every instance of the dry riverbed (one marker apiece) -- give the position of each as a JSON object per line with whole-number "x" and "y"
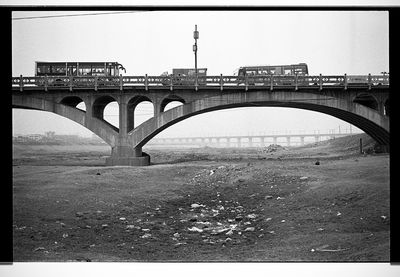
{"x": 202, "y": 205}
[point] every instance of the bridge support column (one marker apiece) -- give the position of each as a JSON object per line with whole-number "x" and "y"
{"x": 275, "y": 140}
{"x": 203, "y": 142}
{"x": 126, "y": 155}
{"x": 263, "y": 141}
{"x": 123, "y": 153}
{"x": 302, "y": 141}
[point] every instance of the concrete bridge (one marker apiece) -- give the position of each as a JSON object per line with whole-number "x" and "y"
{"x": 364, "y": 103}
{"x": 242, "y": 140}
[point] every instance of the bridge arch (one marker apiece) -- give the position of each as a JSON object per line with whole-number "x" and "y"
{"x": 72, "y": 101}
{"x": 100, "y": 104}
{"x": 367, "y": 100}
{"x": 131, "y": 107}
{"x": 97, "y": 126}
{"x": 169, "y": 99}
{"x": 367, "y": 119}
{"x": 387, "y": 108}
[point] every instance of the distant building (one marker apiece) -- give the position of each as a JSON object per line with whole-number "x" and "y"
{"x": 35, "y": 137}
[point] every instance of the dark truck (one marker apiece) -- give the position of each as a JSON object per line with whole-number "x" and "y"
{"x": 185, "y": 76}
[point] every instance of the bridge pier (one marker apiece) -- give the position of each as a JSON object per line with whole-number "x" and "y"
{"x": 288, "y": 141}
{"x": 126, "y": 155}
{"x": 301, "y": 141}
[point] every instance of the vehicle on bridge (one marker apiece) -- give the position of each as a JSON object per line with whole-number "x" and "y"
{"x": 185, "y": 76}
{"x": 60, "y": 73}
{"x": 265, "y": 74}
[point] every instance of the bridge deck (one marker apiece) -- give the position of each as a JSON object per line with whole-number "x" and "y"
{"x": 210, "y": 82}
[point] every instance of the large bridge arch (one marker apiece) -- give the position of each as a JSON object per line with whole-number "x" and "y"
{"x": 100, "y": 127}
{"x": 367, "y": 119}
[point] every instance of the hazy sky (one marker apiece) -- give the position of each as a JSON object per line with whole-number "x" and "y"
{"x": 330, "y": 42}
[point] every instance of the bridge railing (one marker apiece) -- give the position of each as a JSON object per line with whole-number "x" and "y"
{"x": 271, "y": 81}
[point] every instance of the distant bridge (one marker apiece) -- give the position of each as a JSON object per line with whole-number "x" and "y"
{"x": 244, "y": 140}
{"x": 361, "y": 100}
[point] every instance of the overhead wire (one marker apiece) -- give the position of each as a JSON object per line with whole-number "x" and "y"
{"x": 71, "y": 15}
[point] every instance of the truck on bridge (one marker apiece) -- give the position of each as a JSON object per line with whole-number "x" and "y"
{"x": 186, "y": 76}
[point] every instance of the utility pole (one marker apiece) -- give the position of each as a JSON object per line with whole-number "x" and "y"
{"x": 195, "y": 36}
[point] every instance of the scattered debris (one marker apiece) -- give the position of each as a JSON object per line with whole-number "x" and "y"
{"x": 122, "y": 218}
{"x": 324, "y": 248}
{"x": 38, "y": 249}
{"x": 280, "y": 198}
{"x": 383, "y": 217}
{"x": 98, "y": 173}
{"x": 195, "y": 205}
{"x": 180, "y": 243}
{"x": 317, "y": 163}
{"x": 338, "y": 214}
{"x": 219, "y": 230}
{"x": 20, "y": 228}
{"x": 304, "y": 178}
{"x": 65, "y": 236}
{"x": 195, "y": 229}
{"x": 238, "y": 218}
{"x": 269, "y": 197}
{"x": 145, "y": 236}
{"x": 249, "y": 229}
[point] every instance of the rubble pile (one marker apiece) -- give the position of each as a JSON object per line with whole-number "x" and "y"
{"x": 273, "y": 148}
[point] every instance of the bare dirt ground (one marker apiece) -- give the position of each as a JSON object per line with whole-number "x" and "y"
{"x": 202, "y": 204}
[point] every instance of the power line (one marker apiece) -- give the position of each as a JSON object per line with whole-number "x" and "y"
{"x": 69, "y": 15}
